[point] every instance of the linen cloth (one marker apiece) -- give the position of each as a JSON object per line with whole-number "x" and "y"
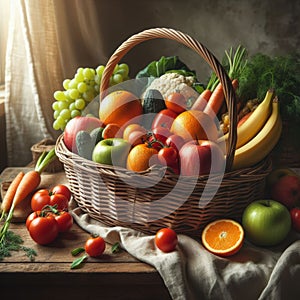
{"x": 191, "y": 272}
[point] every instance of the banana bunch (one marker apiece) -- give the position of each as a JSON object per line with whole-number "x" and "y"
{"x": 259, "y": 134}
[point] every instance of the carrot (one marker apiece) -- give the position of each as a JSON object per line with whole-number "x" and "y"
{"x": 32, "y": 179}
{"x": 216, "y": 99}
{"x": 10, "y": 193}
{"x": 28, "y": 183}
{"x": 202, "y": 100}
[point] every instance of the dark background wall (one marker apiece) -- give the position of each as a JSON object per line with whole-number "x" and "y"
{"x": 270, "y": 26}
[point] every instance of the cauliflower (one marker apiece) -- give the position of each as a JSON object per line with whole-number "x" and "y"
{"x": 173, "y": 82}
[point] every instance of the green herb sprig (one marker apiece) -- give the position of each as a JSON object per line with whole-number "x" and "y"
{"x": 13, "y": 242}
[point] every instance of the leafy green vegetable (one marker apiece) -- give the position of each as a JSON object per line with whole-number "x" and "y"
{"x": 163, "y": 65}
{"x": 282, "y": 73}
{"x": 170, "y": 64}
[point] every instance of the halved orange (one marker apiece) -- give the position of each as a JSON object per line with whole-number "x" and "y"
{"x": 223, "y": 237}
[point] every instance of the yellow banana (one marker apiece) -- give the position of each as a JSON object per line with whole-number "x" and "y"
{"x": 254, "y": 124}
{"x": 262, "y": 144}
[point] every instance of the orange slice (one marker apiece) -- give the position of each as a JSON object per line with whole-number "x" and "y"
{"x": 223, "y": 237}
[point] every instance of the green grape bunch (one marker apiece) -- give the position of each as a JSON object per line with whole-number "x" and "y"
{"x": 80, "y": 91}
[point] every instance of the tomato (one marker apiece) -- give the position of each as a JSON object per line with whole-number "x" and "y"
{"x": 154, "y": 143}
{"x": 60, "y": 201}
{"x": 176, "y": 102}
{"x": 164, "y": 118}
{"x": 42, "y": 229}
{"x": 62, "y": 189}
{"x": 31, "y": 217}
{"x": 64, "y": 220}
{"x": 166, "y": 239}
{"x": 168, "y": 156}
{"x": 40, "y": 199}
{"x": 161, "y": 134}
{"x": 137, "y": 137}
{"x": 175, "y": 141}
{"x": 95, "y": 246}
{"x": 45, "y": 197}
{"x": 295, "y": 216}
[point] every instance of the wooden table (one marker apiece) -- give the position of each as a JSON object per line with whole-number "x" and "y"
{"x": 49, "y": 276}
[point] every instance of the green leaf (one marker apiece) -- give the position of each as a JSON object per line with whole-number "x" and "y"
{"x": 115, "y": 247}
{"x": 164, "y": 64}
{"x": 78, "y": 261}
{"x": 77, "y": 251}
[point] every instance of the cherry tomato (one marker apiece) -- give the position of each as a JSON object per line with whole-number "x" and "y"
{"x": 95, "y": 246}
{"x": 175, "y": 141}
{"x": 137, "y": 137}
{"x": 295, "y": 216}
{"x": 176, "y": 102}
{"x": 64, "y": 220}
{"x": 161, "y": 134}
{"x": 157, "y": 145}
{"x": 60, "y": 201}
{"x": 166, "y": 239}
{"x": 164, "y": 118}
{"x": 62, "y": 189}
{"x": 40, "y": 199}
{"x": 43, "y": 229}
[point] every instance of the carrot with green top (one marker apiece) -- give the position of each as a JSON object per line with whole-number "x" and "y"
{"x": 28, "y": 183}
{"x": 216, "y": 99}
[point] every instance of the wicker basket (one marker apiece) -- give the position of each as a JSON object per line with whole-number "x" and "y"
{"x": 286, "y": 153}
{"x": 154, "y": 199}
{"x": 42, "y": 146}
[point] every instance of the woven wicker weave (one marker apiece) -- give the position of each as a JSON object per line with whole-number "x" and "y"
{"x": 46, "y": 145}
{"x": 153, "y": 199}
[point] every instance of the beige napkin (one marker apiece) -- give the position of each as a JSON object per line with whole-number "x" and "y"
{"x": 190, "y": 272}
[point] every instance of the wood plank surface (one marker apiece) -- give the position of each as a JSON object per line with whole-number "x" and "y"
{"x": 112, "y": 276}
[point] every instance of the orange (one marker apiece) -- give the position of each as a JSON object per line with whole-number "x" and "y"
{"x": 132, "y": 127}
{"x": 223, "y": 237}
{"x": 120, "y": 107}
{"x": 195, "y": 125}
{"x": 139, "y": 157}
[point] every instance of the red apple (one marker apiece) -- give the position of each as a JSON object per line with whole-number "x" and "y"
{"x": 175, "y": 141}
{"x": 287, "y": 190}
{"x": 295, "y": 216}
{"x": 201, "y": 158}
{"x": 276, "y": 174}
{"x": 77, "y": 124}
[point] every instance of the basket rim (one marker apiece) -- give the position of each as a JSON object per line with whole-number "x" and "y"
{"x": 245, "y": 174}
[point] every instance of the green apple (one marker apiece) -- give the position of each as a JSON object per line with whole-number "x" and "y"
{"x": 266, "y": 222}
{"x": 112, "y": 151}
{"x": 276, "y": 174}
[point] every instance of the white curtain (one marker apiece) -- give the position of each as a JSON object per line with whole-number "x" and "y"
{"x": 36, "y": 66}
{"x": 48, "y": 40}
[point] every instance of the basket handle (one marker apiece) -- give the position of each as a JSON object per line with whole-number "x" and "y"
{"x": 199, "y": 48}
